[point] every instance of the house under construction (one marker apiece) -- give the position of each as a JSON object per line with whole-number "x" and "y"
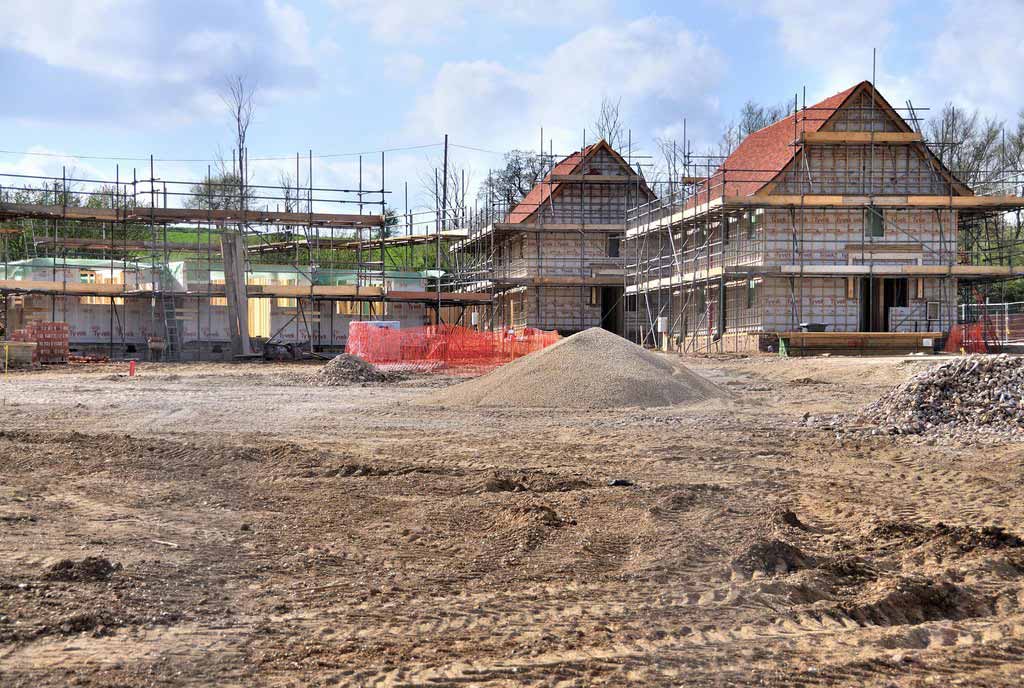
{"x": 554, "y": 261}
{"x": 134, "y": 274}
{"x": 833, "y": 228}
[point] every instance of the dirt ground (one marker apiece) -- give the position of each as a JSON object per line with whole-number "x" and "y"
{"x": 226, "y": 524}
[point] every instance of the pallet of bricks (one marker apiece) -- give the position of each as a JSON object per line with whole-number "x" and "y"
{"x": 51, "y": 340}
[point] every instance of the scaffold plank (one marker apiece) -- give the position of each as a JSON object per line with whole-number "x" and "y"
{"x": 887, "y": 137}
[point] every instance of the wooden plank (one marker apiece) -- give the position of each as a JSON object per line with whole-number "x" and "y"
{"x": 609, "y": 281}
{"x": 257, "y": 291}
{"x": 870, "y": 247}
{"x": 896, "y": 137}
{"x": 559, "y": 227}
{"x": 256, "y": 217}
{"x": 877, "y": 336}
{"x": 116, "y": 244}
{"x": 76, "y": 288}
{"x": 594, "y": 178}
{"x": 401, "y": 240}
{"x": 833, "y": 201}
{"x": 431, "y": 297}
{"x": 188, "y": 215}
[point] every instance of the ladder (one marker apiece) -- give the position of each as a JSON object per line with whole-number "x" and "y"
{"x": 172, "y": 334}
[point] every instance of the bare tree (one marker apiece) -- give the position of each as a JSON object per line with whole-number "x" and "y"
{"x": 503, "y": 188}
{"x": 969, "y": 146}
{"x": 238, "y": 95}
{"x": 609, "y": 125}
{"x": 455, "y": 197}
{"x": 753, "y": 117}
{"x": 289, "y": 191}
{"x": 671, "y": 163}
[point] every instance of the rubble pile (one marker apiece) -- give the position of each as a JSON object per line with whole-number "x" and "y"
{"x": 969, "y": 394}
{"x": 346, "y": 369}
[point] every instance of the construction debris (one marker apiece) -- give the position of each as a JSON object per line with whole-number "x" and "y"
{"x": 975, "y": 393}
{"x": 591, "y": 369}
{"x": 346, "y": 369}
{"x": 87, "y": 569}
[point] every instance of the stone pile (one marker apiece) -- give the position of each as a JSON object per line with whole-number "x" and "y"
{"x": 975, "y": 393}
{"x": 346, "y": 369}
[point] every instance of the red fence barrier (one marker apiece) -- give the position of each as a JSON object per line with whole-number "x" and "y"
{"x": 436, "y": 347}
{"x": 979, "y": 337}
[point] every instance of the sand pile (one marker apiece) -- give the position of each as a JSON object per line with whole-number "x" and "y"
{"x": 345, "y": 369}
{"x": 970, "y": 394}
{"x": 591, "y": 369}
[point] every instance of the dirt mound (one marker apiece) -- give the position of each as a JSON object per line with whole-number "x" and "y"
{"x": 88, "y": 569}
{"x": 952, "y": 539}
{"x": 505, "y": 480}
{"x": 772, "y": 557}
{"x": 591, "y": 369}
{"x": 908, "y": 601}
{"x": 966, "y": 394}
{"x": 346, "y": 369}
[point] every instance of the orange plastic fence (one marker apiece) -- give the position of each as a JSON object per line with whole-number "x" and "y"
{"x": 437, "y": 347}
{"x": 974, "y": 338}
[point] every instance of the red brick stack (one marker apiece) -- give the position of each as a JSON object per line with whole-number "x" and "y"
{"x": 51, "y": 340}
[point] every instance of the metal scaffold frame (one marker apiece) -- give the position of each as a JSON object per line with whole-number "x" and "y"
{"x": 574, "y": 209}
{"x": 136, "y": 225}
{"x": 700, "y": 240}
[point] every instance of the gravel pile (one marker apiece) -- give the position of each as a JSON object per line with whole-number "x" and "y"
{"x": 970, "y": 394}
{"x": 345, "y": 369}
{"x": 591, "y": 369}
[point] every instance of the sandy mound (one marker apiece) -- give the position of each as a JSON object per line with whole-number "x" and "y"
{"x": 345, "y": 369}
{"x": 591, "y": 369}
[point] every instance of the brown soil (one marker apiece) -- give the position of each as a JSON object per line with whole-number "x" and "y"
{"x": 220, "y": 524}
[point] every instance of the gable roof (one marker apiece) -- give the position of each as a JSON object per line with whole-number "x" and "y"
{"x": 546, "y": 188}
{"x": 765, "y": 153}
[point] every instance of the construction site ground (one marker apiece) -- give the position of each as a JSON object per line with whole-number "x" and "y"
{"x": 249, "y": 529}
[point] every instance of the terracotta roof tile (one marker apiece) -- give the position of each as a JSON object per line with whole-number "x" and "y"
{"x": 765, "y": 152}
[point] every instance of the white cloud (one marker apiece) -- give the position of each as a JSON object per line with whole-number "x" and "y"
{"x": 833, "y": 39}
{"x": 160, "y": 60}
{"x": 415, "y": 21}
{"x": 660, "y": 70}
{"x": 84, "y": 31}
{"x": 39, "y": 161}
{"x": 402, "y": 66}
{"x": 974, "y": 59}
{"x": 977, "y": 57}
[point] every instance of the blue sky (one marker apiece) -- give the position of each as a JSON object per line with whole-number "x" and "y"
{"x": 130, "y": 78}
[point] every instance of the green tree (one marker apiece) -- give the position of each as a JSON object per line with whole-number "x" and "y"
{"x": 222, "y": 191}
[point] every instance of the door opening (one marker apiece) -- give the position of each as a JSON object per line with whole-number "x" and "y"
{"x": 877, "y": 296}
{"x": 612, "y": 309}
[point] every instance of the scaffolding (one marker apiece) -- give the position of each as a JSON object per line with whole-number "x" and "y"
{"x": 553, "y": 259}
{"x": 858, "y": 218}
{"x": 162, "y": 250}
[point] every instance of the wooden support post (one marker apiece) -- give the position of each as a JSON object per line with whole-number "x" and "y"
{"x": 233, "y": 250}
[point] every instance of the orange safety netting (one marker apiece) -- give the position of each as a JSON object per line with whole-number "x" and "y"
{"x": 436, "y": 347}
{"x": 973, "y": 338}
